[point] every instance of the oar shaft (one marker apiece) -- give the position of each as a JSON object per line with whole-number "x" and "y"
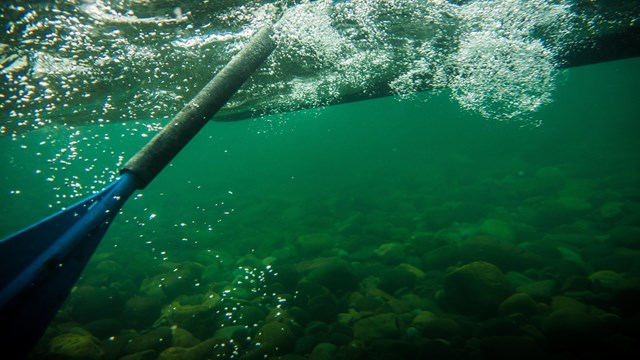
{"x": 153, "y": 157}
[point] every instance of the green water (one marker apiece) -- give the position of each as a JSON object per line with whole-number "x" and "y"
{"x": 420, "y": 174}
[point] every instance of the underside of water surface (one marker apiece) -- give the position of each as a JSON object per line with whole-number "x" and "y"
{"x": 62, "y": 61}
{"x": 481, "y": 201}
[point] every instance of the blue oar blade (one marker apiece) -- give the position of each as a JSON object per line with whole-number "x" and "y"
{"x": 20, "y": 249}
{"x": 45, "y": 273}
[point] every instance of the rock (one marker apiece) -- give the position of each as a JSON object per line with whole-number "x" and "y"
{"x": 571, "y": 239}
{"x": 476, "y": 288}
{"x": 550, "y": 213}
{"x": 576, "y": 283}
{"x": 441, "y": 257}
{"x": 376, "y": 327}
{"x": 323, "y": 307}
{"x": 272, "y": 338}
{"x": 89, "y": 303}
{"x": 180, "y": 279}
{"x": 606, "y": 280}
{"x": 76, "y": 347}
{"x": 183, "y": 338}
{"x": 249, "y": 315}
{"x": 570, "y": 329}
{"x": 143, "y": 355}
{"x": 104, "y": 328}
{"x": 213, "y": 273}
{"x": 626, "y": 236}
{"x": 561, "y": 302}
{"x": 368, "y": 303}
{"x": 422, "y": 242}
{"x": 612, "y": 210}
{"x": 423, "y": 317}
{"x": 503, "y": 254}
{"x": 323, "y": 350}
{"x": 539, "y": 290}
{"x": 141, "y": 311}
{"x": 575, "y": 204}
{"x": 436, "y": 328}
{"x": 498, "y": 229}
{"x": 390, "y": 253}
{"x": 209, "y": 349}
{"x": 314, "y": 244}
{"x": 156, "y": 339}
{"x": 392, "y": 280}
{"x": 518, "y": 303}
{"x": 420, "y": 275}
{"x": 194, "y": 313}
{"x": 337, "y": 275}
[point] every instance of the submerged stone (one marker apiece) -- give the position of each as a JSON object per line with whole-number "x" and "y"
{"x": 314, "y": 244}
{"x": 476, "y": 288}
{"x": 518, "y": 303}
{"x": 627, "y": 236}
{"x": 376, "y": 327}
{"x": 157, "y": 339}
{"x": 336, "y": 274}
{"x": 390, "y": 253}
{"x": 76, "y": 346}
{"x": 497, "y": 228}
{"x": 272, "y": 338}
{"x": 141, "y": 310}
{"x": 89, "y": 303}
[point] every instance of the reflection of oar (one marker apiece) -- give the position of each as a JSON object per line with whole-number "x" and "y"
{"x": 40, "y": 265}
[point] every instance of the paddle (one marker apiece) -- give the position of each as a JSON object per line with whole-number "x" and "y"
{"x": 40, "y": 264}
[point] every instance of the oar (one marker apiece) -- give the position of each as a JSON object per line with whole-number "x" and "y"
{"x": 40, "y": 264}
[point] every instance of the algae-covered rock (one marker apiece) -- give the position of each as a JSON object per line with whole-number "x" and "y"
{"x": 323, "y": 307}
{"x": 179, "y": 279}
{"x": 497, "y": 228}
{"x": 143, "y": 355}
{"x": 476, "y": 288}
{"x": 183, "y": 338}
{"x": 272, "y": 338}
{"x": 314, "y": 244}
{"x": 209, "y": 349}
{"x": 390, "y": 253}
{"x": 606, "y": 279}
{"x": 627, "y": 236}
{"x": 335, "y": 274}
{"x": 539, "y": 290}
{"x": 141, "y": 311}
{"x": 76, "y": 347}
{"x": 392, "y": 280}
{"x": 89, "y": 303}
{"x": 434, "y": 327}
{"x": 376, "y": 327}
{"x": 156, "y": 339}
{"x": 503, "y": 254}
{"x": 518, "y": 303}
{"x": 195, "y": 313}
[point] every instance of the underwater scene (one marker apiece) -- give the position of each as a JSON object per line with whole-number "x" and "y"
{"x": 401, "y": 179}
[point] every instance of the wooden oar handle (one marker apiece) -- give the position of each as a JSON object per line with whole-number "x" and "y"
{"x": 158, "y": 152}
